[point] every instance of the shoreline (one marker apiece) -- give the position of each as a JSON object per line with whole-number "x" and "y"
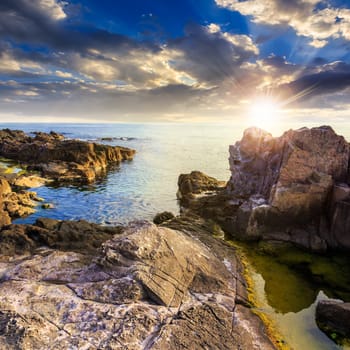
{"x": 207, "y": 189}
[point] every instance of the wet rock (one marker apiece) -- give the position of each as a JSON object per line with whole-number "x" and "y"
{"x": 333, "y": 317}
{"x": 60, "y": 159}
{"x": 79, "y": 236}
{"x": 5, "y": 189}
{"x": 47, "y": 206}
{"x": 162, "y": 217}
{"x": 29, "y": 181}
{"x": 196, "y": 183}
{"x": 15, "y": 204}
{"x": 147, "y": 288}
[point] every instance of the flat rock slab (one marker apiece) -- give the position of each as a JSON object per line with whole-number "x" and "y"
{"x": 148, "y": 288}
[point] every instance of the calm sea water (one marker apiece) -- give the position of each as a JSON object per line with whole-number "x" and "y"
{"x": 148, "y": 184}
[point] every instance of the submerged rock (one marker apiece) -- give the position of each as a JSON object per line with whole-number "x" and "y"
{"x": 60, "y": 159}
{"x": 162, "y": 217}
{"x": 147, "y": 288}
{"x": 333, "y": 317}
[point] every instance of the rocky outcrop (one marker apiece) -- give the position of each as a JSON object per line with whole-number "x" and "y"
{"x": 60, "y": 159}
{"x": 15, "y": 204}
{"x": 292, "y": 188}
{"x": 5, "y": 189}
{"x": 201, "y": 193}
{"x": 333, "y": 317}
{"x": 77, "y": 236}
{"x": 196, "y": 183}
{"x": 147, "y": 288}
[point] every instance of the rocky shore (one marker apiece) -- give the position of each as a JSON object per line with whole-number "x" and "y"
{"x": 288, "y": 190}
{"x": 15, "y": 201}
{"x": 76, "y": 285}
{"x": 177, "y": 284}
{"x": 60, "y": 159}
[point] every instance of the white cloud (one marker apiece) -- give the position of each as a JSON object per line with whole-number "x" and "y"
{"x": 213, "y": 28}
{"x": 319, "y": 25}
{"x": 52, "y": 8}
{"x": 61, "y": 74}
{"x": 26, "y": 93}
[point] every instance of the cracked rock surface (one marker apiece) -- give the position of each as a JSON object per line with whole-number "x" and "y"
{"x": 150, "y": 287}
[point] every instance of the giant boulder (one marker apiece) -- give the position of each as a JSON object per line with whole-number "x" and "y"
{"x": 285, "y": 187}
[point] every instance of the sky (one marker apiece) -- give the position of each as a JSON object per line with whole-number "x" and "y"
{"x": 175, "y": 61}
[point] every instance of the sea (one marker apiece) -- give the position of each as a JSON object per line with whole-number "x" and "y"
{"x": 147, "y": 185}
{"x": 140, "y": 188}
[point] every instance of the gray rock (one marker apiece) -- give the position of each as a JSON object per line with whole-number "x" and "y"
{"x": 148, "y": 288}
{"x": 333, "y": 317}
{"x": 291, "y": 188}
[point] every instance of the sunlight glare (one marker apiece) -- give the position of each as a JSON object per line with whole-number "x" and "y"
{"x": 265, "y": 114}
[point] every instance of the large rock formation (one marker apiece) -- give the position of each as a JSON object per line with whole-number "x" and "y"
{"x": 147, "y": 288}
{"x": 293, "y": 188}
{"x": 60, "y": 159}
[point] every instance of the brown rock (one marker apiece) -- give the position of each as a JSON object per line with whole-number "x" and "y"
{"x": 79, "y": 236}
{"x": 196, "y": 183}
{"x": 162, "y": 217}
{"x": 59, "y": 159}
{"x": 30, "y": 181}
{"x": 285, "y": 185}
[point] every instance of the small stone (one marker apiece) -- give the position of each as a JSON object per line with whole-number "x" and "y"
{"x": 47, "y": 206}
{"x": 162, "y": 217}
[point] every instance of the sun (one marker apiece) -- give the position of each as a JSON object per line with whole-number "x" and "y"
{"x": 264, "y": 113}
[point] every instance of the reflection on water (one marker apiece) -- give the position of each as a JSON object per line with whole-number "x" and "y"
{"x": 284, "y": 291}
{"x": 288, "y": 297}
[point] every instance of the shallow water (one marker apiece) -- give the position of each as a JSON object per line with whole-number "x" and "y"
{"x": 288, "y": 295}
{"x": 148, "y": 184}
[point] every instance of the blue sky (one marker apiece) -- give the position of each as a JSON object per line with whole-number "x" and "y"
{"x": 184, "y": 60}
